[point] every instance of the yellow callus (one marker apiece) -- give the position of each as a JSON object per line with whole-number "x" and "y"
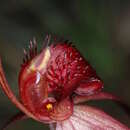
{"x": 49, "y": 106}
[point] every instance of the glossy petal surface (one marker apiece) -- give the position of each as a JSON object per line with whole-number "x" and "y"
{"x": 89, "y": 118}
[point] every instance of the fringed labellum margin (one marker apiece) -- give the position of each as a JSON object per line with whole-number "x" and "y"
{"x": 53, "y": 81}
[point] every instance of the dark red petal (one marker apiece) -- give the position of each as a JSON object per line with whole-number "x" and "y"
{"x": 19, "y": 116}
{"x": 62, "y": 111}
{"x": 6, "y": 88}
{"x": 99, "y": 96}
{"x": 89, "y": 118}
{"x": 102, "y": 96}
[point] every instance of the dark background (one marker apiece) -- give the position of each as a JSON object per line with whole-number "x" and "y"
{"x": 100, "y": 30}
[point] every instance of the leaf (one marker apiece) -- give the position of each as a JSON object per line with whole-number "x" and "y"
{"x": 89, "y": 118}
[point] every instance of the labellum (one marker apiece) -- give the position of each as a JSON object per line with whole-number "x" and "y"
{"x": 53, "y": 82}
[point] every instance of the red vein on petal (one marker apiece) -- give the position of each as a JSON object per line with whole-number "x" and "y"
{"x": 58, "y": 126}
{"x": 52, "y": 126}
{"x": 62, "y": 126}
{"x": 90, "y": 113}
{"x": 72, "y": 125}
{"x": 66, "y": 125}
{"x": 6, "y": 88}
{"x": 89, "y": 118}
{"x": 86, "y": 123}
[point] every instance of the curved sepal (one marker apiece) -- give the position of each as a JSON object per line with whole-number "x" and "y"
{"x": 6, "y": 88}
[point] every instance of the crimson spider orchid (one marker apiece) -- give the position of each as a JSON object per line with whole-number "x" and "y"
{"x": 53, "y": 83}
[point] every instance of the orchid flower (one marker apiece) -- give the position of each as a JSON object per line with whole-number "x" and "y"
{"x": 52, "y": 85}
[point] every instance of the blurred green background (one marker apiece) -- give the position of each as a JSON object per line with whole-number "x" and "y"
{"x": 100, "y": 30}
